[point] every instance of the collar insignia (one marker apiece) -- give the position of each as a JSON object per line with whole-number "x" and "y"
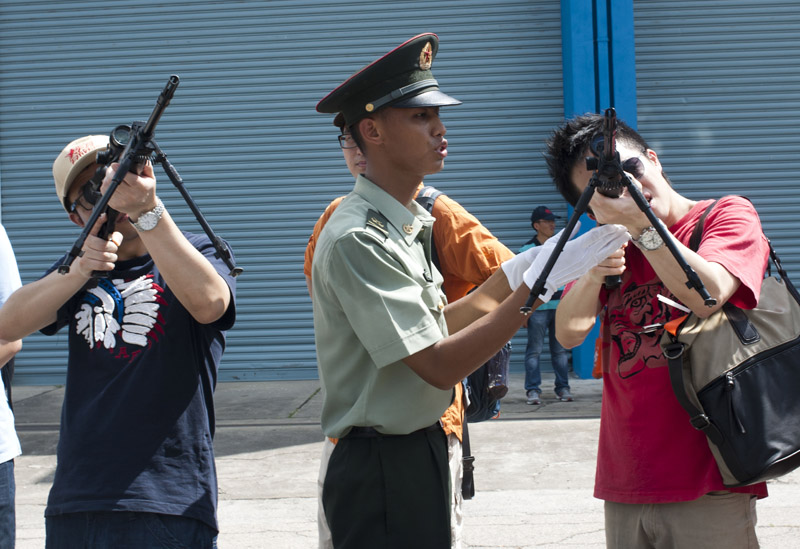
{"x": 376, "y": 221}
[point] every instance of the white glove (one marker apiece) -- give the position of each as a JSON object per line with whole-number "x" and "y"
{"x": 516, "y": 266}
{"x": 577, "y": 257}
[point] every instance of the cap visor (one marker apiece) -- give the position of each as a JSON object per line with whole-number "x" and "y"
{"x": 83, "y": 162}
{"x": 432, "y": 98}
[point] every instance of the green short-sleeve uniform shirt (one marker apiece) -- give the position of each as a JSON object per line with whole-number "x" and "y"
{"x": 377, "y": 300}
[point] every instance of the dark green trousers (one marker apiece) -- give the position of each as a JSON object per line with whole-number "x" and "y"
{"x": 389, "y": 492}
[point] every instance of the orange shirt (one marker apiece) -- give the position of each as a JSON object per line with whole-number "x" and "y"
{"x": 468, "y": 255}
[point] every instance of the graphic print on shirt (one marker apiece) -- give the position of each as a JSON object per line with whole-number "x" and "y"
{"x": 120, "y": 310}
{"x": 640, "y": 307}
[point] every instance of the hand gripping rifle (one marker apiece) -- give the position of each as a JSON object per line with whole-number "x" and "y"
{"x": 133, "y": 146}
{"x": 609, "y": 179}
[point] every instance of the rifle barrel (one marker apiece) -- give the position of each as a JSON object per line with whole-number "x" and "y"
{"x": 161, "y": 103}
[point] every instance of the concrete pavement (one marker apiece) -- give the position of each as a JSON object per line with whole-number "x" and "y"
{"x": 534, "y": 470}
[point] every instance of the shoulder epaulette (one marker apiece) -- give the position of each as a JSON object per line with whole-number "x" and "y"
{"x": 378, "y": 223}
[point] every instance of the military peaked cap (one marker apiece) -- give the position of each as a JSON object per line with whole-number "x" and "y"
{"x": 401, "y": 78}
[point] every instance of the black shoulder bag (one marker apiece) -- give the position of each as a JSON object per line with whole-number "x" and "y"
{"x": 737, "y": 375}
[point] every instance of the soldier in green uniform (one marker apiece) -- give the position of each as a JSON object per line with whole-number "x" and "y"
{"x": 386, "y": 362}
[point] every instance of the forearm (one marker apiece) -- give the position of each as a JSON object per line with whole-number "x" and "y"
{"x": 189, "y": 275}
{"x": 717, "y": 280}
{"x": 453, "y": 358}
{"x": 577, "y": 311}
{"x": 719, "y": 283}
{"x": 8, "y": 349}
{"x": 36, "y": 305}
{"x": 486, "y": 298}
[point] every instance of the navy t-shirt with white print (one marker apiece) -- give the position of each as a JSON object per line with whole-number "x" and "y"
{"x": 138, "y": 416}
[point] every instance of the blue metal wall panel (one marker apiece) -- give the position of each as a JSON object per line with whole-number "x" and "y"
{"x": 717, "y": 99}
{"x": 243, "y": 133}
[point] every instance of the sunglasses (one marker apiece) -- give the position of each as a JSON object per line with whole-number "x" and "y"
{"x": 634, "y": 166}
{"x": 90, "y": 192}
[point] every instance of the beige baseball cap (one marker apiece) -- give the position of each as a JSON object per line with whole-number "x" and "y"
{"x": 73, "y": 160}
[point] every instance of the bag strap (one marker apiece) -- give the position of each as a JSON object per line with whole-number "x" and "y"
{"x": 697, "y": 234}
{"x": 675, "y": 351}
{"x": 738, "y": 320}
{"x": 468, "y": 463}
{"x": 675, "y": 354}
{"x": 744, "y": 329}
{"x": 426, "y": 198}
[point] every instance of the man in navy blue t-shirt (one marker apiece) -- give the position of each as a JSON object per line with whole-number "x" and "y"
{"x": 135, "y": 455}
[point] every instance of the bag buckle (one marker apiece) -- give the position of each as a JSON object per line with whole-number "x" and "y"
{"x": 674, "y": 350}
{"x": 468, "y": 463}
{"x": 700, "y": 422}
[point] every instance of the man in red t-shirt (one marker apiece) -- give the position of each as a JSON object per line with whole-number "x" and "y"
{"x": 656, "y": 473}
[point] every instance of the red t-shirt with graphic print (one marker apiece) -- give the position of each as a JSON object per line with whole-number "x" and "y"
{"x": 648, "y": 452}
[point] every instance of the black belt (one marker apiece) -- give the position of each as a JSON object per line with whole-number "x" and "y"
{"x": 371, "y": 432}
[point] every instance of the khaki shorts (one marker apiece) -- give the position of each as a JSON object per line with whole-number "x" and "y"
{"x": 718, "y": 519}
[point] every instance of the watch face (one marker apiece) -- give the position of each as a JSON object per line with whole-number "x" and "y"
{"x": 147, "y": 221}
{"x": 651, "y": 240}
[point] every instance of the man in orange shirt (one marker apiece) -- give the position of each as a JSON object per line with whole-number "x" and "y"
{"x": 468, "y": 255}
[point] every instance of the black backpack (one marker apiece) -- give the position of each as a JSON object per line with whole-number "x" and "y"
{"x": 487, "y": 385}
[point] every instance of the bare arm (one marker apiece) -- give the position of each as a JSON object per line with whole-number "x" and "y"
{"x": 481, "y": 326}
{"x": 190, "y": 276}
{"x": 8, "y": 349}
{"x": 578, "y": 309}
{"x": 35, "y": 305}
{"x": 487, "y": 297}
{"x": 718, "y": 281}
{"x": 451, "y": 359}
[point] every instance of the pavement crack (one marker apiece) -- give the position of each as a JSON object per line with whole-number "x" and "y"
{"x": 306, "y": 401}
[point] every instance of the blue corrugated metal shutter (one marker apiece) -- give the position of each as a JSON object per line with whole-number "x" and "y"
{"x": 717, "y": 93}
{"x": 243, "y": 133}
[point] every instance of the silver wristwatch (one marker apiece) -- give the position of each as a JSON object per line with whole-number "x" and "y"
{"x": 649, "y": 239}
{"x": 148, "y": 220}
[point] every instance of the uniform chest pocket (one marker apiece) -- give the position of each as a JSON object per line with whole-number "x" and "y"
{"x": 418, "y": 269}
{"x": 433, "y": 298}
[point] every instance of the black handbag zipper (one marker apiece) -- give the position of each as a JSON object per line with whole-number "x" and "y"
{"x": 730, "y": 385}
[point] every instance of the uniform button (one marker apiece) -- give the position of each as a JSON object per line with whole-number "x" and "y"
{"x": 408, "y": 228}
{"x": 441, "y": 305}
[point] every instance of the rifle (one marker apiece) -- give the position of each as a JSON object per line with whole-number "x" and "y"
{"x": 606, "y": 163}
{"x": 133, "y": 146}
{"x": 609, "y": 178}
{"x": 607, "y": 169}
